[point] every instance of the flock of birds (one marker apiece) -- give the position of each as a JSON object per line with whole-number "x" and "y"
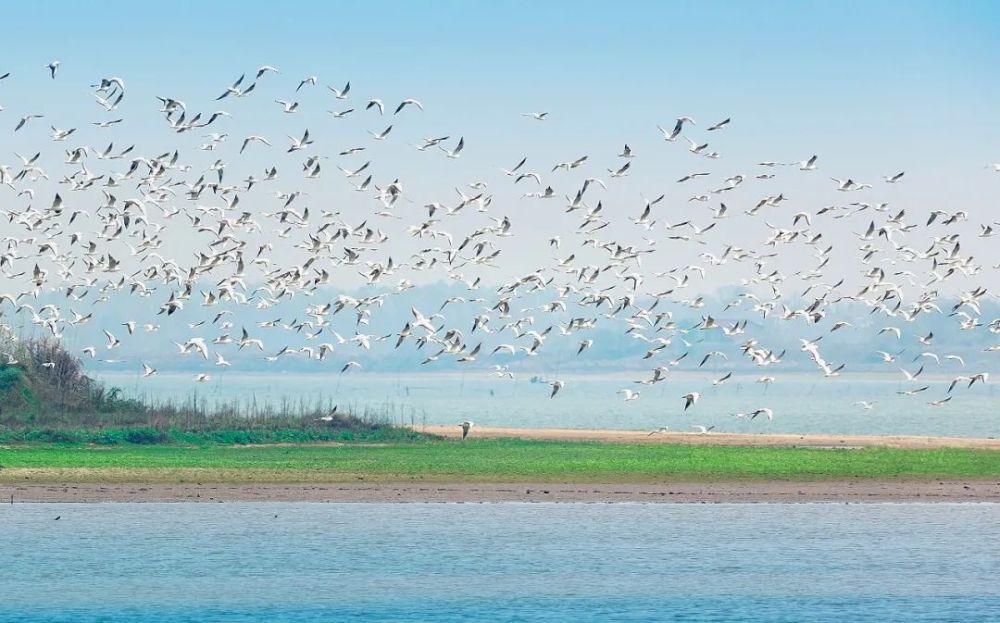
{"x": 84, "y": 224}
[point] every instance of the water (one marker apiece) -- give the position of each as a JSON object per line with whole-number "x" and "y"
{"x": 802, "y": 403}
{"x": 307, "y": 562}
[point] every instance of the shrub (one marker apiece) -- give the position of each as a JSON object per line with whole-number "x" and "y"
{"x": 60, "y": 404}
{"x": 146, "y": 436}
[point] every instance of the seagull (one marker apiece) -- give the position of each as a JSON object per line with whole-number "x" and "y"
{"x": 629, "y": 394}
{"x": 619, "y": 172}
{"x": 381, "y": 136}
{"x": 407, "y": 102}
{"x": 690, "y": 399}
{"x": 886, "y": 357}
{"x": 113, "y": 342}
{"x": 25, "y": 119}
{"x": 349, "y": 365}
{"x": 809, "y": 165}
{"x": 236, "y": 89}
{"x": 956, "y": 358}
{"x": 342, "y": 94}
{"x": 846, "y": 185}
{"x": 537, "y": 116}
{"x": 147, "y": 371}
{"x": 466, "y": 427}
{"x": 61, "y": 135}
{"x": 982, "y": 377}
{"x": 252, "y": 138}
{"x": 695, "y": 147}
{"x": 513, "y": 172}
{"x": 678, "y": 127}
{"x": 703, "y": 430}
{"x": 454, "y": 153}
{"x": 329, "y": 417}
{"x": 721, "y": 380}
{"x": 300, "y": 143}
{"x": 263, "y": 69}
{"x": 719, "y": 125}
{"x": 556, "y": 386}
{"x": 53, "y": 67}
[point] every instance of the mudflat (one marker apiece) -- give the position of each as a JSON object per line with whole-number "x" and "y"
{"x": 843, "y": 491}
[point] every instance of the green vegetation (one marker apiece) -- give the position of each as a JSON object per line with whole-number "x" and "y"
{"x": 57, "y": 425}
{"x": 253, "y": 433}
{"x": 46, "y": 397}
{"x": 507, "y": 460}
{"x": 46, "y": 385}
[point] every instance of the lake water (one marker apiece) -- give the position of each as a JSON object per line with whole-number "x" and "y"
{"x": 802, "y": 403}
{"x": 304, "y": 563}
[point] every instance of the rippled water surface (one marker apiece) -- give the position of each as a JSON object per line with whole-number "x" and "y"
{"x": 300, "y": 562}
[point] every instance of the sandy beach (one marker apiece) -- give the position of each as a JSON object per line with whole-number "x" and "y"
{"x": 719, "y": 439}
{"x": 855, "y": 491}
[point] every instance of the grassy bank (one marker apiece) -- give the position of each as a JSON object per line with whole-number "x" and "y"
{"x": 45, "y": 397}
{"x": 46, "y": 392}
{"x": 506, "y": 460}
{"x": 280, "y": 432}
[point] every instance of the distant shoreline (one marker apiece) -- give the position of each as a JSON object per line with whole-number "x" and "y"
{"x": 839, "y": 491}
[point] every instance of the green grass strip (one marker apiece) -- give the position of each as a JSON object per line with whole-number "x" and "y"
{"x": 506, "y": 460}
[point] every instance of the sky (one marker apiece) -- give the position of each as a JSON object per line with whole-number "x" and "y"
{"x": 934, "y": 57}
{"x": 861, "y": 83}
{"x": 872, "y": 88}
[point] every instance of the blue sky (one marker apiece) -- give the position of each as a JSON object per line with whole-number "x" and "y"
{"x": 872, "y": 87}
{"x": 856, "y": 71}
